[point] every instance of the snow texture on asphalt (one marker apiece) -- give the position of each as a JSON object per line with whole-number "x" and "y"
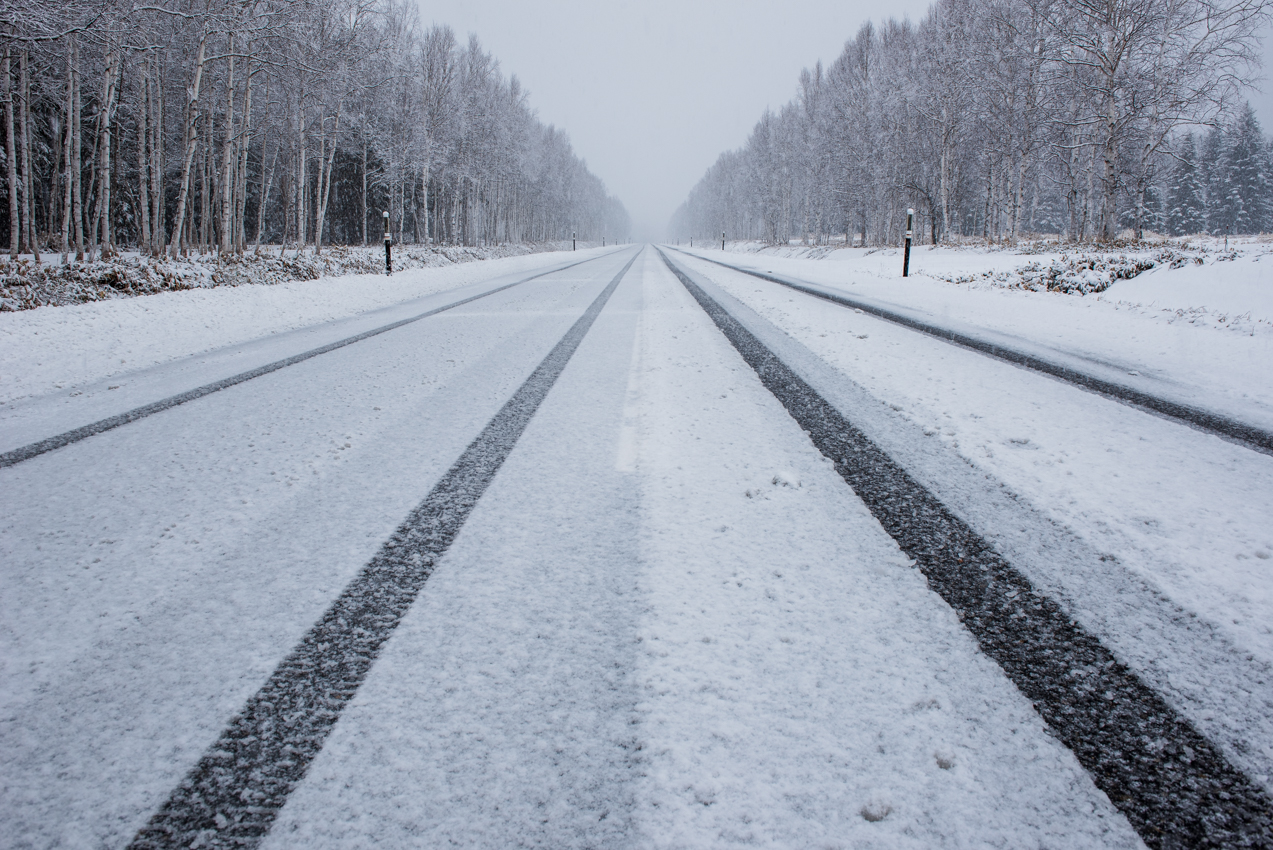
{"x": 155, "y": 575}
{"x": 1180, "y": 584}
{"x": 801, "y": 684}
{"x": 232, "y": 796}
{"x": 1173, "y": 784}
{"x": 667, "y": 623}
{"x": 500, "y": 715}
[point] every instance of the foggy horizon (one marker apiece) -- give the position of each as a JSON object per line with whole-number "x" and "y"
{"x": 652, "y": 108}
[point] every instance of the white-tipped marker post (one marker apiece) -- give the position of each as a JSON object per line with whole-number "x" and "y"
{"x": 906, "y": 250}
{"x": 388, "y": 252}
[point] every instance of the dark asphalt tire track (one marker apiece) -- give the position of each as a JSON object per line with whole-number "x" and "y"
{"x": 36, "y": 449}
{"x": 233, "y": 795}
{"x": 1175, "y": 788}
{"x": 1213, "y": 423}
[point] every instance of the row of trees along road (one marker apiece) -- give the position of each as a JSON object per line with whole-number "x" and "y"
{"x": 177, "y": 125}
{"x": 992, "y": 118}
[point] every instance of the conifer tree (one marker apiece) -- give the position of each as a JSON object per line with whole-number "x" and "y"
{"x": 1184, "y": 199}
{"x": 1246, "y": 189}
{"x": 1211, "y": 166}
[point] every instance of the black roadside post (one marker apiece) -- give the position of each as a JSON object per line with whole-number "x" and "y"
{"x": 388, "y": 256}
{"x": 906, "y": 252}
{"x": 722, "y": 240}
{"x": 603, "y": 242}
{"x": 572, "y": 240}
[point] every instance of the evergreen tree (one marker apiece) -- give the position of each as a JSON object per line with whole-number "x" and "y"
{"x": 1211, "y": 167}
{"x": 1155, "y": 214}
{"x": 1246, "y": 187}
{"x": 1185, "y": 211}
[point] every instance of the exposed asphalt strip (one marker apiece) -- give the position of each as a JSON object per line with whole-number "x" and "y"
{"x": 234, "y": 793}
{"x": 1172, "y": 784}
{"x": 1204, "y": 420}
{"x": 27, "y": 452}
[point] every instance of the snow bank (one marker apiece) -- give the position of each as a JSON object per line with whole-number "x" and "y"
{"x": 1048, "y": 266}
{"x": 25, "y": 284}
{"x": 1231, "y": 286}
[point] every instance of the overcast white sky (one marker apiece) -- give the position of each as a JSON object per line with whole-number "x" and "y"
{"x": 651, "y": 92}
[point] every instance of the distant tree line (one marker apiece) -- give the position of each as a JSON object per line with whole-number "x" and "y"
{"x": 177, "y": 125}
{"x": 998, "y": 118}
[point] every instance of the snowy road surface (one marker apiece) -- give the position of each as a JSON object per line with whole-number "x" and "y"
{"x": 667, "y": 621}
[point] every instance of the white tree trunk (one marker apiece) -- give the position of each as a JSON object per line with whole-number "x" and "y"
{"x": 157, "y": 166}
{"x": 29, "y": 234}
{"x": 143, "y": 165}
{"x": 11, "y": 154}
{"x": 192, "y": 138}
{"x": 227, "y": 160}
{"x": 65, "y": 245}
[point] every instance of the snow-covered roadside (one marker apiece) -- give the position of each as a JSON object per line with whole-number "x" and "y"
{"x": 57, "y": 348}
{"x": 26, "y": 284}
{"x": 1199, "y": 335}
{"x": 1036, "y": 266}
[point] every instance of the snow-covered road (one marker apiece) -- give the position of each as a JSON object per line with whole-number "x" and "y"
{"x": 667, "y": 622}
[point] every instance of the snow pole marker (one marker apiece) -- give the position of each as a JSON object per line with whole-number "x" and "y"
{"x": 388, "y": 254}
{"x": 722, "y": 240}
{"x": 906, "y": 251}
{"x": 573, "y": 244}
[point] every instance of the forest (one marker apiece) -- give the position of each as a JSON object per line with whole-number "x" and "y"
{"x": 1091, "y": 120}
{"x": 179, "y": 126}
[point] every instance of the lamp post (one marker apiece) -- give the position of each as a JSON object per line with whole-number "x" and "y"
{"x": 388, "y": 253}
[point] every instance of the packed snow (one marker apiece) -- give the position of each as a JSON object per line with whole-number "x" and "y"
{"x": 668, "y": 622}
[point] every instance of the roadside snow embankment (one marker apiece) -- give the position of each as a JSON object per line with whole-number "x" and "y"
{"x": 50, "y": 349}
{"x": 1205, "y": 281}
{"x": 25, "y": 285}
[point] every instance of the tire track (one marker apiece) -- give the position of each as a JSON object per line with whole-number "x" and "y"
{"x": 1172, "y": 784}
{"x": 234, "y": 793}
{"x": 1221, "y": 426}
